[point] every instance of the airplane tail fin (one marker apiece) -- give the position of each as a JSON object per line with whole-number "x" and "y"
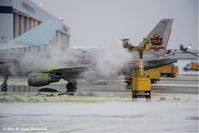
{"x": 160, "y": 36}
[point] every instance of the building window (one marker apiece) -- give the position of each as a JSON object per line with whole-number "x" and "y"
{"x": 22, "y": 24}
{"x": 32, "y": 24}
{"x": 25, "y": 21}
{"x": 36, "y": 23}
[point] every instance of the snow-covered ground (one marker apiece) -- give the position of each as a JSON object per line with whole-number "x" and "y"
{"x": 164, "y": 113}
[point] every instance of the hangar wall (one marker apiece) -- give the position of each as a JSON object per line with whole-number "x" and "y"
{"x": 19, "y": 16}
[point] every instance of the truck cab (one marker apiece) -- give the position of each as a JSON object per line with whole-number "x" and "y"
{"x": 192, "y": 66}
{"x": 187, "y": 67}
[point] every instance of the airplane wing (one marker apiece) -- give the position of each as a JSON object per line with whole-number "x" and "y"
{"x": 66, "y": 73}
{"x": 150, "y": 64}
{"x": 45, "y": 77}
{"x": 158, "y": 63}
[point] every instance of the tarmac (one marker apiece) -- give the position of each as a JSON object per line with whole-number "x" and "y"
{"x": 101, "y": 106}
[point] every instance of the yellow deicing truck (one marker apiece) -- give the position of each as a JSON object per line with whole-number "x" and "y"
{"x": 168, "y": 70}
{"x": 153, "y": 74}
{"x": 141, "y": 84}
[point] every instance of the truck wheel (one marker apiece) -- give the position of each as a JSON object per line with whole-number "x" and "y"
{"x": 185, "y": 69}
{"x": 173, "y": 75}
{"x": 153, "y": 81}
{"x": 148, "y": 95}
{"x": 168, "y": 75}
{"x": 128, "y": 83}
{"x": 4, "y": 89}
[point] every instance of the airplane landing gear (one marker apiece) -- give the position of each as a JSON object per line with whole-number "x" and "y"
{"x": 71, "y": 87}
{"x": 4, "y": 87}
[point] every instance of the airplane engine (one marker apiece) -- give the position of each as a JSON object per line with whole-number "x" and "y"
{"x": 40, "y": 79}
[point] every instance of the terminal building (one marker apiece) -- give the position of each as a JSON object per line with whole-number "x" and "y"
{"x": 26, "y": 25}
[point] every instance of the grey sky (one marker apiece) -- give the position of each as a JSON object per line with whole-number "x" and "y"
{"x": 100, "y": 22}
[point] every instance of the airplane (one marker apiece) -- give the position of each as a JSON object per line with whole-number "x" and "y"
{"x": 44, "y": 76}
{"x": 68, "y": 70}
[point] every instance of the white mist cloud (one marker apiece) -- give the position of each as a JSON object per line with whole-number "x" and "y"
{"x": 111, "y": 60}
{"x": 53, "y": 59}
